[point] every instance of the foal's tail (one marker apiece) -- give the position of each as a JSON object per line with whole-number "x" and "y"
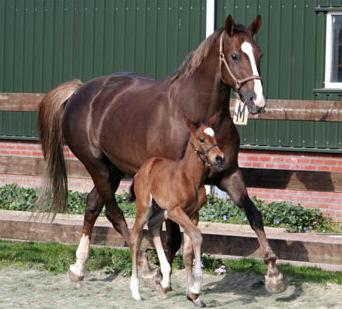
{"x": 50, "y": 114}
{"x": 131, "y": 196}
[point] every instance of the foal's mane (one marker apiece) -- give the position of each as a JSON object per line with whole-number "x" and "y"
{"x": 196, "y": 57}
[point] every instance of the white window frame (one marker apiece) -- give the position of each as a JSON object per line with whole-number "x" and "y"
{"x": 328, "y": 53}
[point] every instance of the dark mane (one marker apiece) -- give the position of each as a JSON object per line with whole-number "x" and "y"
{"x": 196, "y": 57}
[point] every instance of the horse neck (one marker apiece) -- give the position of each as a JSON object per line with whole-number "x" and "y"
{"x": 193, "y": 166}
{"x": 203, "y": 91}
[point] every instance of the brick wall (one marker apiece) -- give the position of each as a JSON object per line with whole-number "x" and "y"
{"x": 329, "y": 202}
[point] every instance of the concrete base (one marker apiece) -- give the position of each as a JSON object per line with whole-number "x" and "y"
{"x": 218, "y": 239}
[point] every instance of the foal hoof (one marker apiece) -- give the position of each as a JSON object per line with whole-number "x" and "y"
{"x": 73, "y": 277}
{"x": 275, "y": 284}
{"x": 194, "y": 298}
{"x": 164, "y": 290}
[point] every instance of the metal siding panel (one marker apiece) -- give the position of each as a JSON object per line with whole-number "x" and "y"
{"x": 88, "y": 41}
{"x": 161, "y": 39}
{"x": 130, "y": 20}
{"x": 283, "y": 73}
{"x": 273, "y": 51}
{"x": 297, "y": 58}
{"x": 9, "y": 41}
{"x": 48, "y": 45}
{"x": 108, "y": 33}
{"x": 2, "y": 42}
{"x": 183, "y": 29}
{"x": 173, "y": 29}
{"x": 19, "y": 50}
{"x": 78, "y": 48}
{"x": 151, "y": 42}
{"x": 68, "y": 38}
{"x": 38, "y": 46}
{"x": 309, "y": 62}
{"x": 119, "y": 36}
{"x": 140, "y": 37}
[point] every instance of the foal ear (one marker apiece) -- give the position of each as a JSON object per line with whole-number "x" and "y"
{"x": 191, "y": 125}
{"x": 254, "y": 27}
{"x": 229, "y": 25}
{"x": 212, "y": 120}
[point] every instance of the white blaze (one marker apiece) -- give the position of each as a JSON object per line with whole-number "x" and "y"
{"x": 248, "y": 49}
{"x": 209, "y": 131}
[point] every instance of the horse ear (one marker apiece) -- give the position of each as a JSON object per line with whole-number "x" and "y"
{"x": 229, "y": 25}
{"x": 191, "y": 125}
{"x": 212, "y": 120}
{"x": 254, "y": 27}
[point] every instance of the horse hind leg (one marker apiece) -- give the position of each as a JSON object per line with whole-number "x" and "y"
{"x": 107, "y": 179}
{"x": 94, "y": 205}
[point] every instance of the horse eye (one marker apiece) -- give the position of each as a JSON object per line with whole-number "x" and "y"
{"x": 201, "y": 140}
{"x": 235, "y": 56}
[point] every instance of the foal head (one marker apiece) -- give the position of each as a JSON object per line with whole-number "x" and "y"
{"x": 203, "y": 141}
{"x": 240, "y": 61}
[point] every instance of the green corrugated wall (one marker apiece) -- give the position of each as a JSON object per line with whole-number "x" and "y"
{"x": 46, "y": 42}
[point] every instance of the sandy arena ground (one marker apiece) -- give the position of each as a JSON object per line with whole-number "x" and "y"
{"x": 37, "y": 289}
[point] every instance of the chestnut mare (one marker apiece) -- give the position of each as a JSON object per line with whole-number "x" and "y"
{"x": 113, "y": 124}
{"x": 175, "y": 190}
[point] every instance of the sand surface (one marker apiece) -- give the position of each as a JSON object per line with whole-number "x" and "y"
{"x": 32, "y": 288}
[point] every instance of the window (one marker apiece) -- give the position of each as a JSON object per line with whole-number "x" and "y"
{"x": 333, "y": 51}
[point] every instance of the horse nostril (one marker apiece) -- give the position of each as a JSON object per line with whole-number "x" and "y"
{"x": 219, "y": 160}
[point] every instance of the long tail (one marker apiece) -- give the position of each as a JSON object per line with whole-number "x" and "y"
{"x": 50, "y": 114}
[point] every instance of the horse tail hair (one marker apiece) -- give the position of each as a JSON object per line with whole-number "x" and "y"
{"x": 53, "y": 198}
{"x": 131, "y": 196}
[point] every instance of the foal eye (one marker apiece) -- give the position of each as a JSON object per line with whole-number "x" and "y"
{"x": 235, "y": 56}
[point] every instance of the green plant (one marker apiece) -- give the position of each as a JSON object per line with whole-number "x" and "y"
{"x": 277, "y": 214}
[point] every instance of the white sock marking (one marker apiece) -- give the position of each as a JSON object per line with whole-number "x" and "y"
{"x": 209, "y": 131}
{"x": 247, "y": 48}
{"x": 165, "y": 267}
{"x": 82, "y": 253}
{"x": 134, "y": 286}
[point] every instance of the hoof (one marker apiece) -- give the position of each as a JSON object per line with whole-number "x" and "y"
{"x": 275, "y": 284}
{"x": 163, "y": 290}
{"x": 194, "y": 298}
{"x": 136, "y": 296}
{"x": 73, "y": 277}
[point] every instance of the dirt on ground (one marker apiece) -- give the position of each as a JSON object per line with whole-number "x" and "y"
{"x": 23, "y": 288}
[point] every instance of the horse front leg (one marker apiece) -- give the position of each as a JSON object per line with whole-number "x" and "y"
{"x": 236, "y": 188}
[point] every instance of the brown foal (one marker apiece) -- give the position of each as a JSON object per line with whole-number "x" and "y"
{"x": 175, "y": 189}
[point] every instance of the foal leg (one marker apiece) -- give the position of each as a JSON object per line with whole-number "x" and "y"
{"x": 136, "y": 237}
{"x": 154, "y": 226}
{"x": 173, "y": 239}
{"x": 194, "y": 234}
{"x": 235, "y": 186}
{"x": 94, "y": 205}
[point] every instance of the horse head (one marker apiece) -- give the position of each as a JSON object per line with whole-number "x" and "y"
{"x": 203, "y": 141}
{"x": 240, "y": 61}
